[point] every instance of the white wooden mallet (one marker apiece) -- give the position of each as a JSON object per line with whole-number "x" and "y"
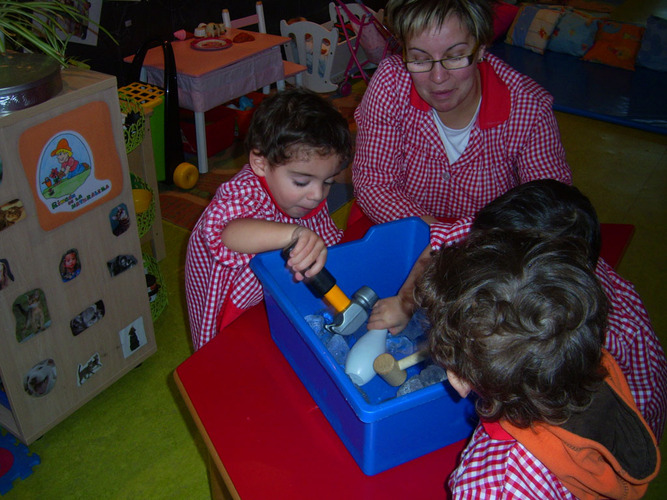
{"x": 394, "y": 372}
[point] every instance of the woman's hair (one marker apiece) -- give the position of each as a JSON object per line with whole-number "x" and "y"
{"x": 521, "y": 319}
{"x": 409, "y": 18}
{"x": 298, "y": 121}
{"x": 546, "y": 206}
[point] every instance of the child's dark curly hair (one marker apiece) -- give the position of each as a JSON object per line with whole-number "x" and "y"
{"x": 298, "y": 121}
{"x": 522, "y": 319}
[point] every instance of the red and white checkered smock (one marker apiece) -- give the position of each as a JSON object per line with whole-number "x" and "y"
{"x": 400, "y": 165}
{"x": 630, "y": 337}
{"x": 499, "y": 467}
{"x": 501, "y": 460}
{"x": 219, "y": 283}
{"x": 636, "y": 348}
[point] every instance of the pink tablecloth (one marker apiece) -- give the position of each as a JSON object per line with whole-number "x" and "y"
{"x": 208, "y": 78}
{"x": 224, "y": 84}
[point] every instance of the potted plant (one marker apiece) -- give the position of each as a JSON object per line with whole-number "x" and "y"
{"x": 40, "y": 27}
{"x": 33, "y": 39}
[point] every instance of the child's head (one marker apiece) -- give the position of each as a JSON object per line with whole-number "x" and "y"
{"x": 518, "y": 319}
{"x": 546, "y": 206}
{"x": 298, "y": 142}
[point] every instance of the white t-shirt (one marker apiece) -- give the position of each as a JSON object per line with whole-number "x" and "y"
{"x": 455, "y": 140}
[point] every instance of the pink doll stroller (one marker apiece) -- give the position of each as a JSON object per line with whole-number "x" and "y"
{"x": 371, "y": 35}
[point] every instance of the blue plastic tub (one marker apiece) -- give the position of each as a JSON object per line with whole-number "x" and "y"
{"x": 379, "y": 430}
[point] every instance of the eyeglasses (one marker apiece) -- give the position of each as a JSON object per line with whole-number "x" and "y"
{"x": 449, "y": 63}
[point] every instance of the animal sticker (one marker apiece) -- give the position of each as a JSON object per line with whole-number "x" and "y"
{"x": 133, "y": 337}
{"x": 32, "y": 315}
{"x": 41, "y": 378}
{"x": 88, "y": 369}
{"x": 10, "y": 213}
{"x": 121, "y": 263}
{"x": 88, "y": 317}
{"x": 120, "y": 219}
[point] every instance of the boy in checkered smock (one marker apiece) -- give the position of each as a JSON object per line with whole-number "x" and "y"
{"x": 297, "y": 143}
{"x": 519, "y": 320}
{"x": 555, "y": 209}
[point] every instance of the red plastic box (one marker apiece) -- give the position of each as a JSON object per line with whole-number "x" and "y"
{"x": 220, "y": 123}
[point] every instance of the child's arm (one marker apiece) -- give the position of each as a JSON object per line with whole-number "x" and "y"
{"x": 252, "y": 236}
{"x": 394, "y": 313}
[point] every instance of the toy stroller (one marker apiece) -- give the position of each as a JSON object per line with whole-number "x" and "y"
{"x": 372, "y": 36}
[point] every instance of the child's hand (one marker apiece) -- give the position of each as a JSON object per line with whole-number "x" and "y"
{"x": 309, "y": 254}
{"x": 390, "y": 313}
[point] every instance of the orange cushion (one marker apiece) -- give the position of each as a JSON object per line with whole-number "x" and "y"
{"x": 616, "y": 44}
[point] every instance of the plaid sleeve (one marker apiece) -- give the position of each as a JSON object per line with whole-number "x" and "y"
{"x": 636, "y": 348}
{"x": 445, "y": 234}
{"x": 541, "y": 152}
{"x": 493, "y": 469}
{"x": 379, "y": 171}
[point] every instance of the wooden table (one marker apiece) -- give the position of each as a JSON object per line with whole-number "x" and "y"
{"x": 207, "y": 79}
{"x": 268, "y": 439}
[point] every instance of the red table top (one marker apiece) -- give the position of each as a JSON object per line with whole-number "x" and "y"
{"x": 271, "y": 439}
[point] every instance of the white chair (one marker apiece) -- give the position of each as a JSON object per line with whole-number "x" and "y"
{"x": 307, "y": 36}
{"x": 292, "y": 69}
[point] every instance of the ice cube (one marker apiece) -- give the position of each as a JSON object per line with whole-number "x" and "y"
{"x": 432, "y": 374}
{"x": 412, "y": 384}
{"x": 399, "y": 346}
{"x": 417, "y": 326}
{"x": 338, "y": 348}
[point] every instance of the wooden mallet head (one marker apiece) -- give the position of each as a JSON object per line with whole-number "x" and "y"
{"x": 394, "y": 372}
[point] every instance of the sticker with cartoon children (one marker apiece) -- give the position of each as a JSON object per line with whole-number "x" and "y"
{"x": 65, "y": 174}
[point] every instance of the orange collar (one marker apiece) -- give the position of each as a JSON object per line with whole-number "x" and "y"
{"x": 589, "y": 469}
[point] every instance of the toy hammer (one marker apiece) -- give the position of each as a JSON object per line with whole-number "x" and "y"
{"x": 350, "y": 314}
{"x": 394, "y": 372}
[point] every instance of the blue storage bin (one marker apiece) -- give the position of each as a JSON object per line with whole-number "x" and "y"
{"x": 379, "y": 430}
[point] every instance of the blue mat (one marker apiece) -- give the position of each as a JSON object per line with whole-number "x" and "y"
{"x": 631, "y": 98}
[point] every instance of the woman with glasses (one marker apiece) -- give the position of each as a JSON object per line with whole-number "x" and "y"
{"x": 445, "y": 127}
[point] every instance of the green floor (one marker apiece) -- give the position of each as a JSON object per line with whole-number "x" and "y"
{"x": 136, "y": 439}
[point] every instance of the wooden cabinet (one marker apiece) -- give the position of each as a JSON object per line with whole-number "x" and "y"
{"x": 73, "y": 297}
